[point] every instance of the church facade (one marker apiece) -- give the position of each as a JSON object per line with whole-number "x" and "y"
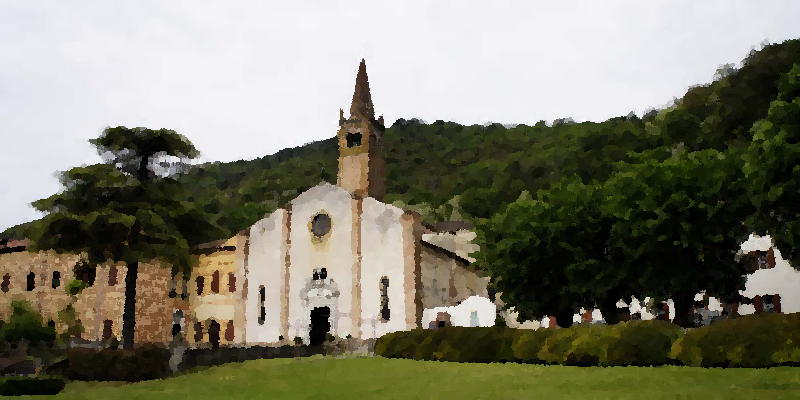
{"x": 338, "y": 261}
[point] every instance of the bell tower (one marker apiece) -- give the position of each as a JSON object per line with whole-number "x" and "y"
{"x": 361, "y": 164}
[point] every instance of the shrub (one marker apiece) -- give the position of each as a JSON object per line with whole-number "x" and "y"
{"x": 23, "y": 385}
{"x": 142, "y": 363}
{"x": 527, "y": 343}
{"x": 759, "y": 340}
{"x": 25, "y": 323}
{"x": 629, "y": 343}
{"x": 458, "y": 344}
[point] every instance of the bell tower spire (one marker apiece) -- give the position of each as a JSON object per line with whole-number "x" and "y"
{"x": 361, "y": 163}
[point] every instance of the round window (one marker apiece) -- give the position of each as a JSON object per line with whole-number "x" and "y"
{"x": 321, "y": 225}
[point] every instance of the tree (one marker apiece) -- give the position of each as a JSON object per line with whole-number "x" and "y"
{"x": 772, "y": 168}
{"x": 551, "y": 255}
{"x": 129, "y": 209}
{"x": 679, "y": 223}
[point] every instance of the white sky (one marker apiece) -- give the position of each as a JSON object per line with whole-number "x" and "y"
{"x": 245, "y": 79}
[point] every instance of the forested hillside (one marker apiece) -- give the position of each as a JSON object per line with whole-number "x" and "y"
{"x": 444, "y": 168}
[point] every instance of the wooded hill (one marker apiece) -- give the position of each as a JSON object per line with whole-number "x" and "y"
{"x": 450, "y": 171}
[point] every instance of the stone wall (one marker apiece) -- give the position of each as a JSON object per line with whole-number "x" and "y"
{"x": 101, "y": 302}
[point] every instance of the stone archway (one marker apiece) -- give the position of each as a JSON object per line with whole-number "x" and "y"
{"x": 320, "y": 325}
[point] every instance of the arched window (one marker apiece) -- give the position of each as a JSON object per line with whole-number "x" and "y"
{"x": 262, "y": 310}
{"x": 200, "y": 282}
{"x": 6, "y": 283}
{"x": 198, "y": 332}
{"x": 56, "y": 281}
{"x": 112, "y": 275}
{"x": 215, "y": 282}
{"x": 231, "y": 282}
{"x": 51, "y": 324}
{"x": 353, "y": 139}
{"x": 229, "y": 334}
{"x": 384, "y": 288}
{"x": 107, "y": 331}
{"x": 31, "y": 284}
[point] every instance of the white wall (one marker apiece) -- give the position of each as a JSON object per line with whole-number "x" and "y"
{"x": 382, "y": 255}
{"x": 783, "y": 279}
{"x": 460, "y": 315}
{"x": 334, "y": 253}
{"x": 265, "y": 267}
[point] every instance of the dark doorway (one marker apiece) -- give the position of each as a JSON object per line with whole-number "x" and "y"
{"x": 320, "y": 325}
{"x": 213, "y": 334}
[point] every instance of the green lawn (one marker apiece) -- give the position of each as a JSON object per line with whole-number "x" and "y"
{"x": 380, "y": 378}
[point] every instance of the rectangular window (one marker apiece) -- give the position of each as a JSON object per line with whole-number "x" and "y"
{"x": 107, "y": 332}
{"x": 262, "y": 310}
{"x": 112, "y": 275}
{"x": 198, "y": 332}
{"x": 229, "y": 334}
{"x": 231, "y": 282}
{"x": 31, "y": 284}
{"x": 215, "y": 282}
{"x": 56, "y": 281}
{"x": 384, "y": 288}
{"x": 200, "y": 282}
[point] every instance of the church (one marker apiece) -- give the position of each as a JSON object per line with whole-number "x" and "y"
{"x": 338, "y": 261}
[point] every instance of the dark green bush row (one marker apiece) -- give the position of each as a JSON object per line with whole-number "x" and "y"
{"x": 631, "y": 343}
{"x": 142, "y": 363}
{"x": 750, "y": 341}
{"x": 22, "y": 385}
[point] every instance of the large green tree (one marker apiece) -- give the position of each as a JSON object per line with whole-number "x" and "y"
{"x": 128, "y": 209}
{"x": 678, "y": 223}
{"x": 772, "y": 168}
{"x": 551, "y": 255}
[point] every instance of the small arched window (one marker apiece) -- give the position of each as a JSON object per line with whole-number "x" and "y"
{"x": 262, "y": 309}
{"x": 112, "y": 275}
{"x": 353, "y": 139}
{"x": 215, "y": 282}
{"x": 384, "y": 288}
{"x": 56, "y": 281}
{"x": 31, "y": 284}
{"x": 6, "y": 283}
{"x": 200, "y": 281}
{"x": 231, "y": 282}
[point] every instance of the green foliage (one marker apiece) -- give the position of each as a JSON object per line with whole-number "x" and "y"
{"x": 142, "y": 363}
{"x": 457, "y": 344}
{"x": 758, "y": 340}
{"x": 69, "y": 317}
{"x": 639, "y": 343}
{"x": 24, "y": 385}
{"x": 25, "y": 323}
{"x": 772, "y": 168}
{"x": 551, "y": 254}
{"x": 629, "y": 343}
{"x": 74, "y": 287}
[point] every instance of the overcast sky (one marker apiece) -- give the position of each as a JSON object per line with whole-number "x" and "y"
{"x": 245, "y": 79}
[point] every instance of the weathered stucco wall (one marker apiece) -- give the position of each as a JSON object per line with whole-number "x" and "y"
{"x": 266, "y": 267}
{"x": 333, "y": 251}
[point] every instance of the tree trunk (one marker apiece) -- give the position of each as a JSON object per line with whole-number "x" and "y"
{"x": 682, "y": 303}
{"x": 608, "y": 307}
{"x": 564, "y": 318}
{"x": 129, "y": 311}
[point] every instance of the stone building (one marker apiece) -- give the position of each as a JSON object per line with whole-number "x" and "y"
{"x": 40, "y": 279}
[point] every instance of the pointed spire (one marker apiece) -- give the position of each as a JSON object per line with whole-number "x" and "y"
{"x": 362, "y": 101}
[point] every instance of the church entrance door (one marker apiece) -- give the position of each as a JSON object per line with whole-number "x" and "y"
{"x": 320, "y": 325}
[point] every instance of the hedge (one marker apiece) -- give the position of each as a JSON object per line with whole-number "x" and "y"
{"x": 23, "y": 385}
{"x": 141, "y": 363}
{"x": 641, "y": 343}
{"x": 759, "y": 340}
{"x": 207, "y": 357}
{"x": 630, "y": 343}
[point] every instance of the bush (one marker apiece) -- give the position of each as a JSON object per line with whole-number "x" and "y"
{"x": 25, "y": 324}
{"x": 142, "y": 363}
{"x": 23, "y": 385}
{"x": 458, "y": 344}
{"x": 630, "y": 343}
{"x": 759, "y": 340}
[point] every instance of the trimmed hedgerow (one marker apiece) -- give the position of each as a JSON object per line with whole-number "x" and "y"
{"x": 631, "y": 343}
{"x": 23, "y": 385}
{"x": 142, "y": 363}
{"x": 760, "y": 340}
{"x": 639, "y": 343}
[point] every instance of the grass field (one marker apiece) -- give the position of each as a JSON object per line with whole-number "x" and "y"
{"x": 380, "y": 378}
